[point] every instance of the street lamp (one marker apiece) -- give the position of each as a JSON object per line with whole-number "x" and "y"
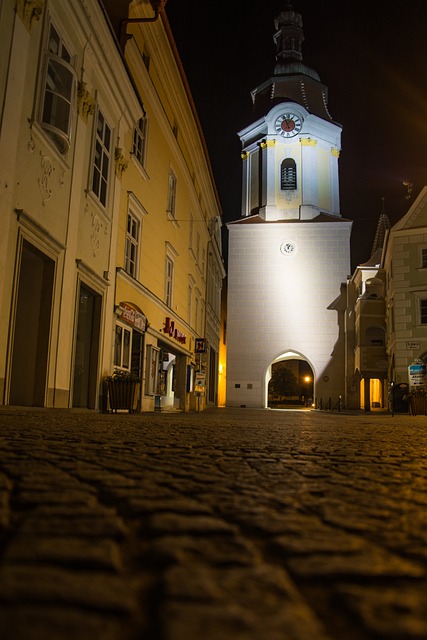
{"x": 307, "y": 380}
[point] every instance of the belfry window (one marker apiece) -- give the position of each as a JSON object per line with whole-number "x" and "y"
{"x": 288, "y": 175}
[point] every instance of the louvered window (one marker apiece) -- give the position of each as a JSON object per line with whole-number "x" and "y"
{"x": 288, "y": 175}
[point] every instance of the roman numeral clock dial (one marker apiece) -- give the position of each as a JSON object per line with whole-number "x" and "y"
{"x": 288, "y": 125}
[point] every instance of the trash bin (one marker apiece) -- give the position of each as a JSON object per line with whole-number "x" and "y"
{"x": 399, "y": 398}
{"x": 418, "y": 403}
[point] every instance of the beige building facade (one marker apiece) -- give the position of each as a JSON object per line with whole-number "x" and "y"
{"x": 109, "y": 215}
{"x": 405, "y": 265}
{"x": 386, "y": 316}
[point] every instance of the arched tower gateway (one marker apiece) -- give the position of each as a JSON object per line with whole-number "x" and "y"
{"x": 289, "y": 252}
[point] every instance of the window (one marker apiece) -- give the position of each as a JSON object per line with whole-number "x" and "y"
{"x": 196, "y": 314}
{"x": 122, "y": 342}
{"x": 59, "y": 91}
{"x": 172, "y": 194}
{"x": 197, "y": 248}
{"x": 190, "y": 302}
{"x": 288, "y": 175}
{"x": 132, "y": 244}
{"x": 140, "y": 140}
{"x": 101, "y": 161}
{"x": 152, "y": 370}
{"x": 424, "y": 258}
{"x": 191, "y": 240}
{"x": 169, "y": 281}
{"x": 423, "y": 311}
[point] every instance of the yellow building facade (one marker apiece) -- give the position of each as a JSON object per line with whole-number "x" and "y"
{"x": 169, "y": 267}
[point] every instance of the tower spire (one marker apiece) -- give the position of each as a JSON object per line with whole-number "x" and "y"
{"x": 292, "y": 80}
{"x": 288, "y": 38}
{"x": 382, "y": 226}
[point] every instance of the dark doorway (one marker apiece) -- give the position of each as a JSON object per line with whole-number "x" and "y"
{"x": 87, "y": 348}
{"x": 32, "y": 328}
{"x": 291, "y": 384}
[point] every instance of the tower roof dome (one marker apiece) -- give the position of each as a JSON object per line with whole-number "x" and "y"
{"x": 292, "y": 80}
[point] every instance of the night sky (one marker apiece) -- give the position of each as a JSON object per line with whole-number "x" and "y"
{"x": 371, "y": 55}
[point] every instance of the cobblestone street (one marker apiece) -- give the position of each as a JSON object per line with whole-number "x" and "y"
{"x": 225, "y": 525}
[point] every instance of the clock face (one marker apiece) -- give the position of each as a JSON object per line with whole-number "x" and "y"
{"x": 288, "y": 125}
{"x": 288, "y": 248}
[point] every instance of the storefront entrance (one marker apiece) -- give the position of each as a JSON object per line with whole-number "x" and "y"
{"x": 171, "y": 380}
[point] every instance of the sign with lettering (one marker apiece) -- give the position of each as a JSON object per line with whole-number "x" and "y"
{"x": 200, "y": 345}
{"x": 173, "y": 332}
{"x": 417, "y": 374}
{"x": 413, "y": 344}
{"x": 132, "y": 316}
{"x": 200, "y": 382}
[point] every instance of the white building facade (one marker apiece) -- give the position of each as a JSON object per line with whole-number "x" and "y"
{"x": 289, "y": 252}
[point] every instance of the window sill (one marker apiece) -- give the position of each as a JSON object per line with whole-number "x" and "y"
{"x": 172, "y": 218}
{"x": 139, "y": 167}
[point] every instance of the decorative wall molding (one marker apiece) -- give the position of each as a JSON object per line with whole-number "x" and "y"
{"x": 95, "y": 233}
{"x": 45, "y": 179}
{"x": 308, "y": 142}
{"x": 121, "y": 163}
{"x": 29, "y": 10}
{"x": 86, "y": 105}
{"x": 265, "y": 144}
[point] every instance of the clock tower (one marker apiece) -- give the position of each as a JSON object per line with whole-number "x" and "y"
{"x": 289, "y": 252}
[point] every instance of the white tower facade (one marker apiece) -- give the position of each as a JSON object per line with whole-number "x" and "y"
{"x": 289, "y": 252}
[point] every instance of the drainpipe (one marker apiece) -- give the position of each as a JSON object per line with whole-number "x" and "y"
{"x": 158, "y": 7}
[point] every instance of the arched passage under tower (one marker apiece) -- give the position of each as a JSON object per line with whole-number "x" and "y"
{"x": 289, "y": 382}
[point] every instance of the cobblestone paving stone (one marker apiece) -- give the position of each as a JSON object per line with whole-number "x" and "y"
{"x": 225, "y": 525}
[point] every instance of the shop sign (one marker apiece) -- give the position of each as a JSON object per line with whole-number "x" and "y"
{"x": 174, "y": 333}
{"x": 417, "y": 374}
{"x": 131, "y": 316}
{"x": 200, "y": 345}
{"x": 200, "y": 382}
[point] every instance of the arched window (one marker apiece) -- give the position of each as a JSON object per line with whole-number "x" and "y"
{"x": 288, "y": 175}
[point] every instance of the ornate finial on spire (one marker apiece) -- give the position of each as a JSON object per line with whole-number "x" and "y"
{"x": 409, "y": 186}
{"x": 289, "y": 35}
